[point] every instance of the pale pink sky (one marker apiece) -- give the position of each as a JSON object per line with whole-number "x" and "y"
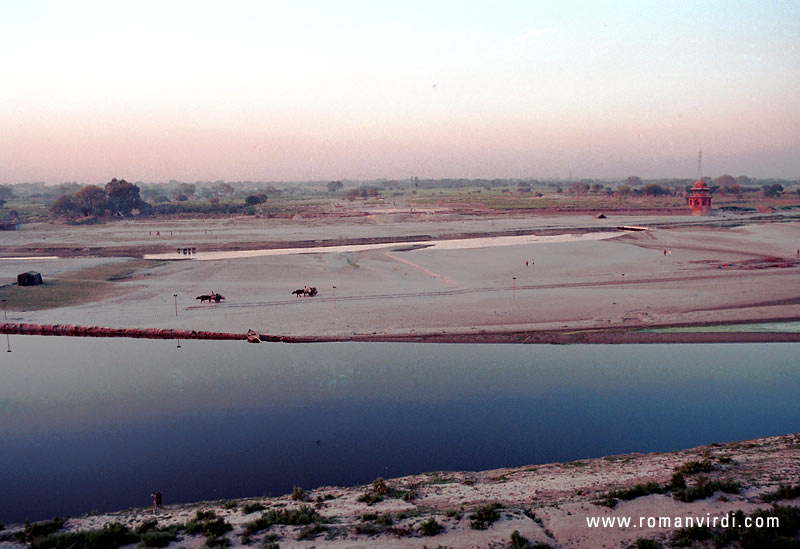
{"x": 356, "y": 90}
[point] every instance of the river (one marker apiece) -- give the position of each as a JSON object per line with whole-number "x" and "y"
{"x": 98, "y": 424}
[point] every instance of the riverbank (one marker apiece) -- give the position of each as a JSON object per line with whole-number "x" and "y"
{"x": 685, "y": 333}
{"x": 547, "y": 504}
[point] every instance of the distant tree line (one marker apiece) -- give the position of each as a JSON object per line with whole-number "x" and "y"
{"x": 118, "y": 197}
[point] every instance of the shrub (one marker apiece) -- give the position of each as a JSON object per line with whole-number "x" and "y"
{"x": 610, "y": 500}
{"x": 685, "y": 537}
{"x": 367, "y": 530}
{"x": 379, "y": 486}
{"x": 783, "y": 492}
{"x": 292, "y": 517}
{"x": 311, "y": 532}
{"x": 212, "y": 526}
{"x": 704, "y": 489}
{"x": 518, "y": 541}
{"x": 484, "y": 516}
{"x": 110, "y": 536}
{"x": 430, "y": 527}
{"x": 370, "y": 498}
{"x": 692, "y": 467}
{"x": 159, "y": 537}
{"x": 254, "y": 507}
{"x": 644, "y": 543}
{"x": 298, "y": 494}
{"x": 44, "y": 528}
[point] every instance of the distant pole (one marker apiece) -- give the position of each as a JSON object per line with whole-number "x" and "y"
{"x": 179, "y": 344}
{"x": 623, "y": 281}
{"x": 513, "y": 287}
{"x": 334, "y": 297}
{"x": 176, "y": 306}
{"x": 8, "y": 341}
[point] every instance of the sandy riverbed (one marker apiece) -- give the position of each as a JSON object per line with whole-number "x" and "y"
{"x": 711, "y": 274}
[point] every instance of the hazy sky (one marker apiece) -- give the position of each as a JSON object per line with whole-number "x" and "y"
{"x": 295, "y": 90}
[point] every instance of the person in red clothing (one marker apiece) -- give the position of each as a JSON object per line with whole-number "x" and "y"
{"x": 157, "y": 499}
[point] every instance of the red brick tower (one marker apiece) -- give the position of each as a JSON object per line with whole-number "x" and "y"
{"x": 700, "y": 199}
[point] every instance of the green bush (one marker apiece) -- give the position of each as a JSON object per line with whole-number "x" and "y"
{"x": 369, "y": 498}
{"x": 254, "y": 507}
{"x": 430, "y": 527}
{"x": 705, "y": 488}
{"x": 111, "y": 536}
{"x": 292, "y": 517}
{"x": 485, "y": 516}
{"x": 692, "y": 467}
{"x": 783, "y": 492}
{"x": 518, "y": 541}
{"x": 311, "y": 532}
{"x": 44, "y": 528}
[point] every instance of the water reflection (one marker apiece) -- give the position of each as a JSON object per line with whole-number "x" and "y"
{"x": 101, "y": 424}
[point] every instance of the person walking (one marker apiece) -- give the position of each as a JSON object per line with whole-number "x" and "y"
{"x": 157, "y": 499}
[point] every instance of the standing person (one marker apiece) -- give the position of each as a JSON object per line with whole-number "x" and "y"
{"x": 157, "y": 499}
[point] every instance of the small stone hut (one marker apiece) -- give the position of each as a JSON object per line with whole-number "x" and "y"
{"x": 31, "y": 278}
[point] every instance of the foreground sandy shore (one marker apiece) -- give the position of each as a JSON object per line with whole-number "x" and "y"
{"x": 547, "y": 504}
{"x": 748, "y": 270}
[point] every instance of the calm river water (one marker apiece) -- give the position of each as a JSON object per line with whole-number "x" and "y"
{"x": 98, "y": 424}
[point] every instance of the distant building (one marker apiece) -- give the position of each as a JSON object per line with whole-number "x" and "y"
{"x": 700, "y": 199}
{"x": 31, "y": 278}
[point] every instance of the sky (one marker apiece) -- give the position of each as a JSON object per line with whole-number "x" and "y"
{"x": 343, "y": 89}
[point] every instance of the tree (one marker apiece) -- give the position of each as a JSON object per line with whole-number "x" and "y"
{"x": 579, "y": 188}
{"x": 724, "y": 181}
{"x": 254, "y": 199}
{"x": 654, "y": 189}
{"x": 188, "y": 189}
{"x": 523, "y": 187}
{"x": 633, "y": 181}
{"x": 65, "y": 206}
{"x": 123, "y": 196}
{"x": 334, "y": 186}
{"x": 91, "y": 200}
{"x": 6, "y": 192}
{"x": 772, "y": 191}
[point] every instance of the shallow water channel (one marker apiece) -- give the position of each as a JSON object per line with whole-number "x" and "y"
{"x": 98, "y": 424}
